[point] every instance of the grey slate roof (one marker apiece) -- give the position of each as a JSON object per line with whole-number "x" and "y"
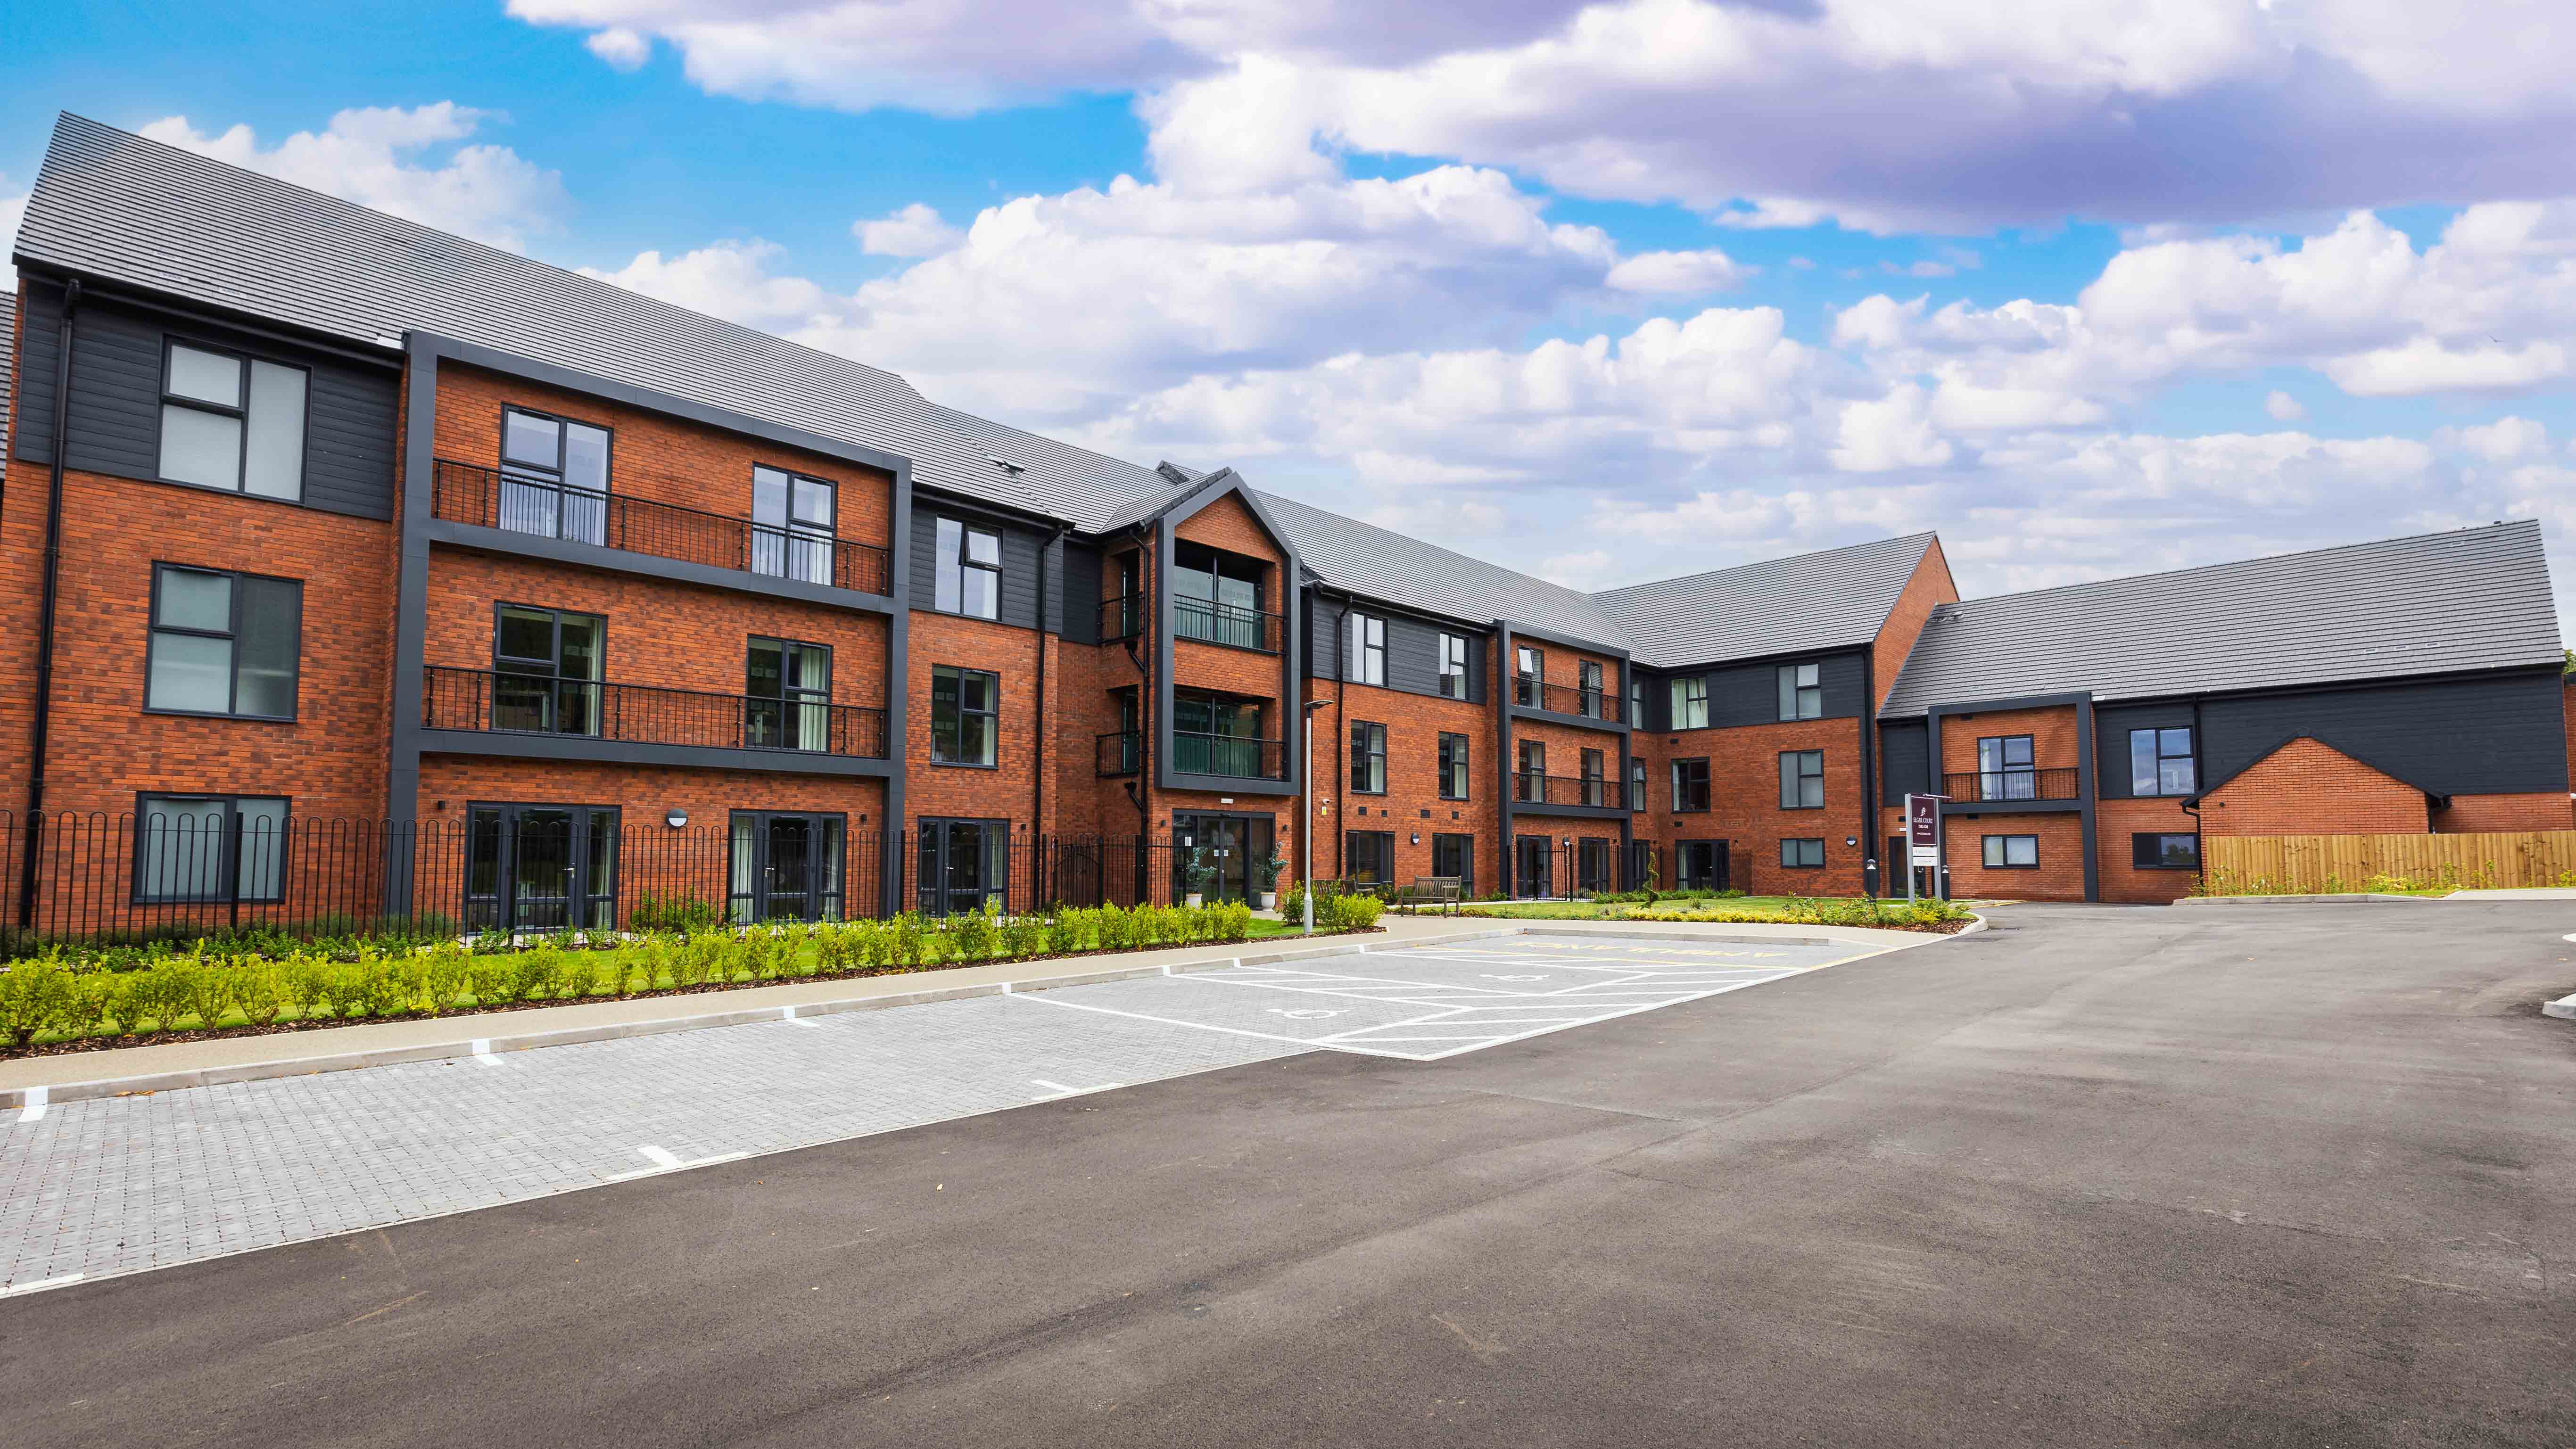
{"x": 2471, "y": 598}
{"x": 8, "y": 362}
{"x": 1383, "y": 564}
{"x": 1837, "y": 598}
{"x": 116, "y": 205}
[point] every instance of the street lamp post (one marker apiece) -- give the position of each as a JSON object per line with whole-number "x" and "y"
{"x": 1306, "y": 807}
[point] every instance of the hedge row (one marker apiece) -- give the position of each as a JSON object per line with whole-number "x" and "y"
{"x": 61, "y": 996}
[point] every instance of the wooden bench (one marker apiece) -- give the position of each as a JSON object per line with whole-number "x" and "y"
{"x": 1443, "y": 891}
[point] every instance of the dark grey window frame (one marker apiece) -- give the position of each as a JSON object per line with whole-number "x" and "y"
{"x": 1529, "y": 763}
{"x": 2190, "y": 756}
{"x": 153, "y": 628}
{"x": 1636, "y": 783}
{"x": 1802, "y": 691}
{"x": 1995, "y": 852}
{"x": 1681, "y": 687}
{"x": 1364, "y": 661}
{"x": 992, "y": 717}
{"x": 1385, "y": 841}
{"x": 555, "y": 680}
{"x": 230, "y": 871}
{"x": 1529, "y": 685}
{"x": 583, "y": 831}
{"x": 555, "y": 476}
{"x": 940, "y": 565}
{"x": 789, "y": 696}
{"x": 1588, "y": 686}
{"x": 1593, "y": 767}
{"x": 240, "y": 412}
{"x": 791, "y": 530}
{"x": 1465, "y": 845}
{"x": 1787, "y": 841}
{"x": 2139, "y": 854}
{"x": 1802, "y": 777}
{"x": 1681, "y": 805}
{"x": 1368, "y": 751}
{"x": 839, "y": 894}
{"x": 1455, "y": 763}
{"x": 1453, "y": 651}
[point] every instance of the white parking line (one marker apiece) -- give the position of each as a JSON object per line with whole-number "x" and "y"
{"x": 483, "y": 1056}
{"x": 788, "y": 1014}
{"x": 665, "y": 1160}
{"x": 34, "y": 1109}
{"x": 41, "y": 1284}
{"x": 1056, "y": 1090}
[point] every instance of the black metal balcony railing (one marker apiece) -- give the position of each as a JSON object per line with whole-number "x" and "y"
{"x": 469, "y": 493}
{"x": 1121, "y": 752}
{"x": 1603, "y": 793}
{"x": 1530, "y": 692}
{"x": 1122, "y": 618}
{"x": 1985, "y": 787}
{"x": 483, "y": 699}
{"x": 1232, "y": 625}
{"x": 1239, "y": 756}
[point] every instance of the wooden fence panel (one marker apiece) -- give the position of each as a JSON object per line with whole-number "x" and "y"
{"x": 2308, "y": 864}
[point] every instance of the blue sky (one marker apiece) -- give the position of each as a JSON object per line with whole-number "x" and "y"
{"x": 1602, "y": 292}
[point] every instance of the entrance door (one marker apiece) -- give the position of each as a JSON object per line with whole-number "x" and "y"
{"x": 1233, "y": 844}
{"x": 540, "y": 867}
{"x": 962, "y": 864}
{"x": 785, "y": 867}
{"x": 1535, "y": 858}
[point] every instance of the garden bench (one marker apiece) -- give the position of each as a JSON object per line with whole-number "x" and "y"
{"x": 1443, "y": 891}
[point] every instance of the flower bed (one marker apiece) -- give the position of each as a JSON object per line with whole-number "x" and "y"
{"x": 66, "y": 1001}
{"x": 1937, "y": 917}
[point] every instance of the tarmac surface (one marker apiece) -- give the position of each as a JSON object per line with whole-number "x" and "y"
{"x": 2098, "y": 1175}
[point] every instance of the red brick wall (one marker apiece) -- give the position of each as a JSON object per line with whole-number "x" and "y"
{"x": 676, "y": 636}
{"x": 1929, "y": 588}
{"x": 1215, "y": 667}
{"x": 2054, "y": 736}
{"x": 1414, "y": 724}
{"x": 1744, "y": 803}
{"x": 2469, "y": 814}
{"x": 2114, "y": 822}
{"x": 655, "y": 456}
{"x": 104, "y": 749}
{"x": 2307, "y": 787}
{"x": 2059, "y": 875}
{"x": 1229, "y": 524}
{"x": 1000, "y": 793}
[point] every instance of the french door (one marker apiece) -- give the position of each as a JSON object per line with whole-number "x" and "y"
{"x": 962, "y": 864}
{"x": 1232, "y": 846}
{"x": 540, "y": 867}
{"x": 1534, "y": 857}
{"x": 1703, "y": 865}
{"x": 785, "y": 867}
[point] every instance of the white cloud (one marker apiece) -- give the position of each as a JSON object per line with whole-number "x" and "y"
{"x": 1875, "y": 435}
{"x": 1677, "y": 273}
{"x": 485, "y": 192}
{"x": 2284, "y": 408}
{"x": 621, "y": 47}
{"x": 731, "y": 280}
{"x": 914, "y": 231}
{"x": 2505, "y": 440}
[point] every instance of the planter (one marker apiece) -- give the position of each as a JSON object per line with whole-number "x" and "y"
{"x": 1261, "y": 900}
{"x": 1195, "y": 899}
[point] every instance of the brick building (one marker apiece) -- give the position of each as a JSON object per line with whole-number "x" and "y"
{"x": 570, "y": 596}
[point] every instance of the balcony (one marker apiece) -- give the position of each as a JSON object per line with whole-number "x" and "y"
{"x": 486, "y": 701}
{"x": 1581, "y": 790}
{"x": 1991, "y": 787}
{"x": 1122, "y": 618}
{"x": 1231, "y": 625}
{"x": 1119, "y": 752}
{"x": 468, "y": 493}
{"x": 1530, "y": 692}
{"x": 1238, "y": 757}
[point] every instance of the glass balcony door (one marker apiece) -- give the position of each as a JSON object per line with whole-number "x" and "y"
{"x": 792, "y": 520}
{"x": 554, "y": 477}
{"x": 785, "y": 867}
{"x": 546, "y": 670}
{"x": 540, "y": 867}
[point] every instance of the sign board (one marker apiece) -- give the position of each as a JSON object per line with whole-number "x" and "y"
{"x": 1922, "y": 836}
{"x": 1927, "y": 855}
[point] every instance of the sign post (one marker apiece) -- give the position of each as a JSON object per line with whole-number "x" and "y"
{"x": 1922, "y": 839}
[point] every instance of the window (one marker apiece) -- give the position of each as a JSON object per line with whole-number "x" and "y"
{"x": 791, "y": 525}
{"x": 1368, "y": 758}
{"x": 1690, "y": 703}
{"x": 1453, "y": 666}
{"x": 1588, "y": 674}
{"x": 210, "y": 848}
{"x": 554, "y": 477}
{"x": 1690, "y": 785}
{"x": 1595, "y": 792}
{"x": 2004, "y": 769}
{"x": 1529, "y": 673}
{"x": 784, "y": 867}
{"x": 546, "y": 670}
{"x": 232, "y": 422}
{"x": 540, "y": 867}
{"x": 970, "y": 571}
{"x": 962, "y": 864}
{"x": 1533, "y": 773}
{"x": 2165, "y": 852}
{"x": 1802, "y": 780}
{"x": 2012, "y": 852}
{"x": 1591, "y": 865}
{"x": 2160, "y": 763}
{"x": 1636, "y": 700}
{"x": 1217, "y": 597}
{"x": 1636, "y": 783}
{"x": 1364, "y": 649}
{"x": 1802, "y": 691}
{"x": 1802, "y": 854}
{"x": 1368, "y": 856}
{"x": 1455, "y": 855}
{"x": 1217, "y": 736}
{"x": 964, "y": 709}
{"x": 223, "y": 643}
{"x": 1453, "y": 770}
{"x": 790, "y": 696}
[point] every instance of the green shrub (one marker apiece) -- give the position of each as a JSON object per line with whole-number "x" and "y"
{"x": 1233, "y": 921}
{"x": 971, "y": 934}
{"x": 258, "y": 988}
{"x": 911, "y": 941}
{"x": 1024, "y": 936}
{"x": 36, "y": 996}
{"x": 1066, "y": 929}
{"x": 1115, "y": 928}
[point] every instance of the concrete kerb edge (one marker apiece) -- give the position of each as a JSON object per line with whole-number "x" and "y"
{"x": 169, "y": 1081}
{"x": 2299, "y": 900}
{"x": 2563, "y": 1008}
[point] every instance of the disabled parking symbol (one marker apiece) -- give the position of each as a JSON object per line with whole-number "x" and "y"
{"x": 1303, "y": 1013}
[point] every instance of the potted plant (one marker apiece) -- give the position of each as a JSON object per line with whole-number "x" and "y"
{"x": 1265, "y": 875}
{"x": 1199, "y": 875}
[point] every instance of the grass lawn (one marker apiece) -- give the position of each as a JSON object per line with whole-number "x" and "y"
{"x": 1589, "y": 910}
